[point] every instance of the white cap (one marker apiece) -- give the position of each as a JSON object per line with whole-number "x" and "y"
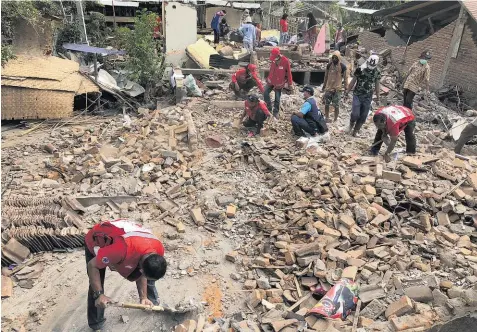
{"x": 372, "y": 62}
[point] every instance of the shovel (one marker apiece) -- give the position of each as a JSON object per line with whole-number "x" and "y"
{"x": 157, "y": 308}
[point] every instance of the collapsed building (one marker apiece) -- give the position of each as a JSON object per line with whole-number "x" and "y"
{"x": 447, "y": 28}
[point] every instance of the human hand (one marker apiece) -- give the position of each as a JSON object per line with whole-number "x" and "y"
{"x": 237, "y": 87}
{"x": 387, "y": 158}
{"x": 102, "y": 301}
{"x": 146, "y": 301}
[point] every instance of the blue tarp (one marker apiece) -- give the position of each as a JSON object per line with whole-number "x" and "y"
{"x": 90, "y": 49}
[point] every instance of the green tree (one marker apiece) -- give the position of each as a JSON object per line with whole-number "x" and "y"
{"x": 143, "y": 60}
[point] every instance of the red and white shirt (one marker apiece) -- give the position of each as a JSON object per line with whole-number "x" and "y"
{"x": 120, "y": 244}
{"x": 396, "y": 118}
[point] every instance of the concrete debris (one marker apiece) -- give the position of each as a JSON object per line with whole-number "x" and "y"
{"x": 295, "y": 220}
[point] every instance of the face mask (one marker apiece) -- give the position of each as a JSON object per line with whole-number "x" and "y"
{"x": 423, "y": 61}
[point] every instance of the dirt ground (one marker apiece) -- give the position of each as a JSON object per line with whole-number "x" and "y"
{"x": 58, "y": 300}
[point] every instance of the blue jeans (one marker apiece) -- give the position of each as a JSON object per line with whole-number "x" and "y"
{"x": 283, "y": 38}
{"x": 276, "y": 103}
{"x": 360, "y": 110}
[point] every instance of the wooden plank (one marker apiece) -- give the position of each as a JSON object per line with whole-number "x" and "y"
{"x": 300, "y": 301}
{"x": 458, "y": 31}
{"x": 7, "y": 287}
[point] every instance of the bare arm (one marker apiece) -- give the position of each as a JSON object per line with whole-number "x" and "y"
{"x": 377, "y": 87}
{"x": 345, "y": 78}
{"x": 94, "y": 276}
{"x": 351, "y": 84}
{"x": 325, "y": 80}
{"x": 141, "y": 285}
{"x": 392, "y": 144}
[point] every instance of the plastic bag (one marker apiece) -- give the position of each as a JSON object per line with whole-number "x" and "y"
{"x": 192, "y": 86}
{"x": 339, "y": 301}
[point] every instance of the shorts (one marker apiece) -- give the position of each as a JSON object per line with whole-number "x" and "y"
{"x": 332, "y": 97}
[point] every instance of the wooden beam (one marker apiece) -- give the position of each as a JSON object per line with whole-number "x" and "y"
{"x": 430, "y": 25}
{"x": 454, "y": 44}
{"x": 410, "y": 9}
{"x": 423, "y": 18}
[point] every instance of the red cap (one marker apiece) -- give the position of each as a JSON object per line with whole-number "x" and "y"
{"x": 251, "y": 67}
{"x": 274, "y": 53}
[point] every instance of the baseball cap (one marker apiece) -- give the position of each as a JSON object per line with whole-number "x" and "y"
{"x": 252, "y": 98}
{"x": 251, "y": 67}
{"x": 426, "y": 55}
{"x": 274, "y": 53}
{"x": 308, "y": 89}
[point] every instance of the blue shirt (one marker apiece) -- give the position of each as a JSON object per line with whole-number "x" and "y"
{"x": 306, "y": 107}
{"x": 249, "y": 33}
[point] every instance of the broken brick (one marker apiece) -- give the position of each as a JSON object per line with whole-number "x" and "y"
{"x": 232, "y": 256}
{"x": 350, "y": 272}
{"x": 197, "y": 216}
{"x": 231, "y": 210}
{"x": 400, "y": 307}
{"x": 346, "y": 220}
{"x": 410, "y": 322}
{"x": 392, "y": 176}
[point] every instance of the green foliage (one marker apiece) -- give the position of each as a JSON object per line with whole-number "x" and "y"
{"x": 7, "y": 54}
{"x": 143, "y": 60}
{"x": 69, "y": 33}
{"x": 97, "y": 29}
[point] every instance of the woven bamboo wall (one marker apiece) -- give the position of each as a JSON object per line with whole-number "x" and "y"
{"x": 23, "y": 103}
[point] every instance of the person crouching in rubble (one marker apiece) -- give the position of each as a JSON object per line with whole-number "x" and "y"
{"x": 391, "y": 121}
{"x": 279, "y": 78}
{"x": 131, "y": 250}
{"x": 243, "y": 80}
{"x": 254, "y": 115}
{"x": 469, "y": 131}
{"x": 364, "y": 78}
{"x": 418, "y": 77}
{"x": 336, "y": 74}
{"x": 309, "y": 119}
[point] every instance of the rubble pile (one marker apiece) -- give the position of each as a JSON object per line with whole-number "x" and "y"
{"x": 302, "y": 217}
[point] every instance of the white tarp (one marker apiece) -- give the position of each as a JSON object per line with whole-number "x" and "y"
{"x": 119, "y": 3}
{"x": 238, "y": 5}
{"x": 360, "y": 10}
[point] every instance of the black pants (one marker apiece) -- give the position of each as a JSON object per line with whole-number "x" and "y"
{"x": 408, "y": 132}
{"x": 408, "y": 98}
{"x": 260, "y": 117}
{"x": 96, "y": 315}
{"x": 216, "y": 36}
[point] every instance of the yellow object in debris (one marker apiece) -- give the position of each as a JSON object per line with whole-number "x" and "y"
{"x": 200, "y": 52}
{"x": 270, "y": 33}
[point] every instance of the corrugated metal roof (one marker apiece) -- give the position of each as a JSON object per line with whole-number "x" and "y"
{"x": 471, "y": 7}
{"x": 238, "y": 5}
{"x": 119, "y": 3}
{"x": 91, "y": 49}
{"x": 360, "y": 10}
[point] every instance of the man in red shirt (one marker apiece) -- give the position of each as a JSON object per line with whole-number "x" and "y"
{"x": 244, "y": 80}
{"x": 280, "y": 77}
{"x": 131, "y": 250}
{"x": 391, "y": 121}
{"x": 254, "y": 115}
{"x": 284, "y": 29}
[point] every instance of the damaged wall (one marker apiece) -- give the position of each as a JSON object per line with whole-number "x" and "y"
{"x": 181, "y": 31}
{"x": 461, "y": 71}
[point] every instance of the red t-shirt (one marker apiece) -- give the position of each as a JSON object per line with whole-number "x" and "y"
{"x": 283, "y": 25}
{"x": 396, "y": 118}
{"x": 120, "y": 244}
{"x": 252, "y": 111}
{"x": 240, "y": 76}
{"x": 280, "y": 73}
